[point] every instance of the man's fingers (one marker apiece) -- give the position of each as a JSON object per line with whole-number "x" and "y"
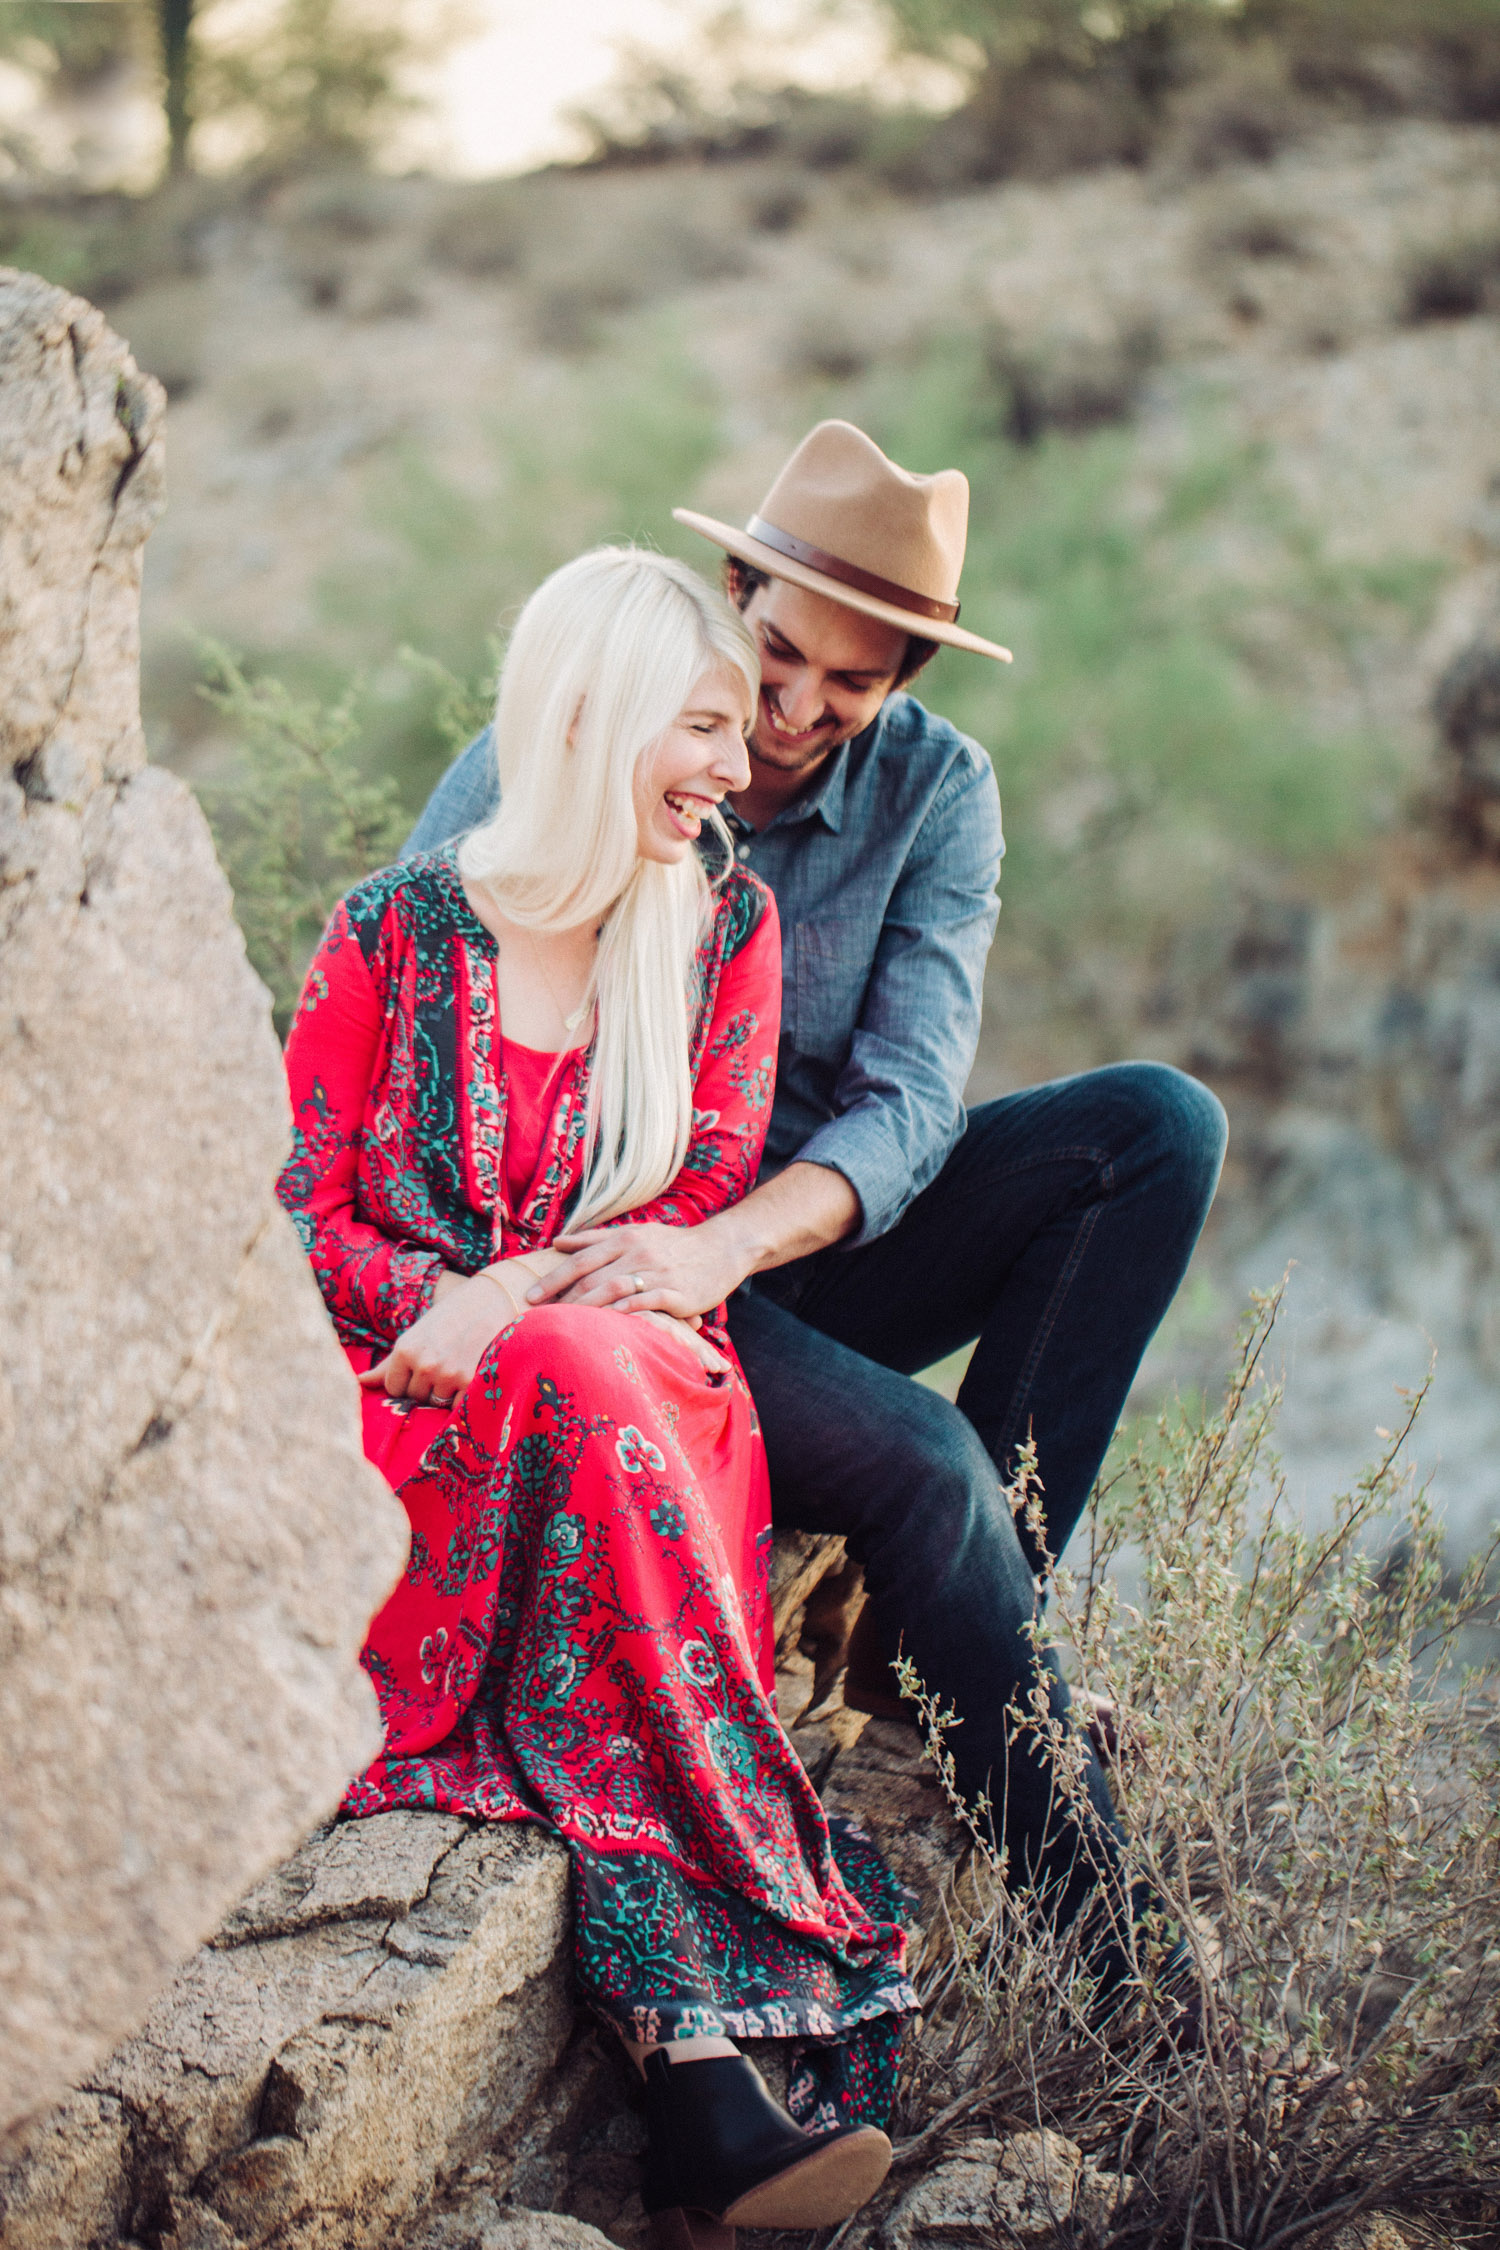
{"x": 661, "y": 1301}
{"x": 604, "y": 1290}
{"x": 565, "y": 1277}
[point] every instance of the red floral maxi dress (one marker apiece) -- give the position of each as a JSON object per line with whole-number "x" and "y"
{"x": 582, "y": 1635}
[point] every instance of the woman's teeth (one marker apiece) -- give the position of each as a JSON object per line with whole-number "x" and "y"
{"x": 686, "y": 808}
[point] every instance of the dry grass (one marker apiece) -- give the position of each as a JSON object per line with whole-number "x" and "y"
{"x": 1308, "y": 1768}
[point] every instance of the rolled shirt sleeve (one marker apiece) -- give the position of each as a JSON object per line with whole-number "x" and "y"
{"x": 899, "y": 1097}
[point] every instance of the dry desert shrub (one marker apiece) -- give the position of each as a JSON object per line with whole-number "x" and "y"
{"x": 1453, "y": 279}
{"x": 1306, "y": 1765}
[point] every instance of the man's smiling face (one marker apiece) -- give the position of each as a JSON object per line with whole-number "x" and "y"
{"x": 825, "y": 671}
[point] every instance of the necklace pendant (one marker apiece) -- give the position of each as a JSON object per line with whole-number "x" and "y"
{"x": 571, "y": 1023}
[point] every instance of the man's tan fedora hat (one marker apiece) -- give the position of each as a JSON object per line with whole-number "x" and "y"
{"x": 844, "y": 521}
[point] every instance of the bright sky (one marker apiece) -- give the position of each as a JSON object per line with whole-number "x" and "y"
{"x": 504, "y": 93}
{"x": 503, "y": 96}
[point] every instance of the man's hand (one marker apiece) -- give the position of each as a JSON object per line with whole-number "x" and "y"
{"x": 684, "y": 1271}
{"x": 436, "y": 1357}
{"x": 688, "y": 1271}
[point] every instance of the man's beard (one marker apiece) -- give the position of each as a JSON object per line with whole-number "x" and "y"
{"x": 792, "y": 757}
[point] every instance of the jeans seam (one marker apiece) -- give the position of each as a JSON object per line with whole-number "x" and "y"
{"x": 1049, "y": 1320}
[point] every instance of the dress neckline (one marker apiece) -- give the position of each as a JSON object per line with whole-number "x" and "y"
{"x": 540, "y": 1054}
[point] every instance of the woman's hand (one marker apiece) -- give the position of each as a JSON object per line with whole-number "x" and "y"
{"x": 708, "y": 1355}
{"x": 436, "y": 1357}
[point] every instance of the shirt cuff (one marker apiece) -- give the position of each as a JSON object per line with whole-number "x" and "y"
{"x": 863, "y": 1146}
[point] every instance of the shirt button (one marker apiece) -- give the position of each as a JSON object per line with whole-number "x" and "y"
{"x": 744, "y": 852}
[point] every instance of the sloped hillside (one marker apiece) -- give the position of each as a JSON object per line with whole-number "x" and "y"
{"x": 1234, "y": 444}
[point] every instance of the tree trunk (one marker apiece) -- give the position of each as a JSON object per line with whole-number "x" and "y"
{"x": 176, "y": 20}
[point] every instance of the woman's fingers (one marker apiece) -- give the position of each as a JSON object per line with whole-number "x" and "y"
{"x": 708, "y": 1355}
{"x": 665, "y": 1301}
{"x": 401, "y": 1377}
{"x": 662, "y": 1301}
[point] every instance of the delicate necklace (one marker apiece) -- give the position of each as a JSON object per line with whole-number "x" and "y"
{"x": 569, "y": 1022}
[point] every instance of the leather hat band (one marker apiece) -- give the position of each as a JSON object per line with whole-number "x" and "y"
{"x": 849, "y": 574}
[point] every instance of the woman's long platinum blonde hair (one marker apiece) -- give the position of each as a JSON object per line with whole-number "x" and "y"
{"x": 603, "y": 658}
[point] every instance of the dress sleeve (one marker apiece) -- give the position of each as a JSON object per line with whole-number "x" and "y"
{"x": 373, "y": 1285}
{"x": 734, "y": 1085}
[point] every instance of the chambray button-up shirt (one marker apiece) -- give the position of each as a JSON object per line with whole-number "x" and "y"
{"x": 884, "y": 875}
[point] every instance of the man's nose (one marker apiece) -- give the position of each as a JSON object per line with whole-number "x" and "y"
{"x": 800, "y": 698}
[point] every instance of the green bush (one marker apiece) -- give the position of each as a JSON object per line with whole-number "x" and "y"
{"x": 1306, "y": 1766}
{"x": 1154, "y": 742}
{"x": 295, "y": 821}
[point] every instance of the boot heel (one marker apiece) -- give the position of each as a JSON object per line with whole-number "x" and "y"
{"x": 721, "y": 2152}
{"x": 684, "y": 2229}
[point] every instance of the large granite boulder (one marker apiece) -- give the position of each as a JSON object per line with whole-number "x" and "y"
{"x": 191, "y": 1543}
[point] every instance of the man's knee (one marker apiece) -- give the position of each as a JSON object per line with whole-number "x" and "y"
{"x": 1178, "y": 1119}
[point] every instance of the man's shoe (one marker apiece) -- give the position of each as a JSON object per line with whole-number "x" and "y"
{"x": 721, "y": 2154}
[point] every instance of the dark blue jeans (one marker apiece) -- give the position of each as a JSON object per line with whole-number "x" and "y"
{"x": 1056, "y": 1235}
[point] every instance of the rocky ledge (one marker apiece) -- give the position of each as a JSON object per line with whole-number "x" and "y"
{"x": 379, "y": 2051}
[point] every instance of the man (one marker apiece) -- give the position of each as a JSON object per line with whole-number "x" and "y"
{"x": 1052, "y": 1226}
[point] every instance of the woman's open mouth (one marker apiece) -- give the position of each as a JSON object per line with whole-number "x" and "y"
{"x": 688, "y": 813}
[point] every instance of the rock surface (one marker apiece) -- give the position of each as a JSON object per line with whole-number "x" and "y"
{"x": 1021, "y": 2190}
{"x": 505, "y": 2227}
{"x": 383, "y": 2012}
{"x": 191, "y": 1543}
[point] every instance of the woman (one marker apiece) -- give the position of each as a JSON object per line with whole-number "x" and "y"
{"x": 567, "y": 1023}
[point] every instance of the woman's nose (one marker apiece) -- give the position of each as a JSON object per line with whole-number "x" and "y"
{"x": 731, "y": 767}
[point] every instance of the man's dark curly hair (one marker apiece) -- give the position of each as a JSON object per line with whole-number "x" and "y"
{"x": 742, "y": 579}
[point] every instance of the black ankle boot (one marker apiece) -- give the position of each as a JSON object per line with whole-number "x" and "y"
{"x": 721, "y": 2148}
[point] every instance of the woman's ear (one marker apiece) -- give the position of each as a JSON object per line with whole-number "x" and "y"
{"x": 575, "y": 722}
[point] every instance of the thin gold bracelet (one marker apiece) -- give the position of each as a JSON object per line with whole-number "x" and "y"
{"x": 485, "y": 1274}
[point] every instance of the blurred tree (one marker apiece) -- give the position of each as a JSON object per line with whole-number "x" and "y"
{"x": 71, "y": 50}
{"x": 176, "y": 22}
{"x": 324, "y": 79}
{"x": 1058, "y": 83}
{"x": 307, "y": 80}
{"x": 983, "y": 35}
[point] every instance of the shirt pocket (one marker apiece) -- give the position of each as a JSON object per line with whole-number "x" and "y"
{"x": 833, "y": 965}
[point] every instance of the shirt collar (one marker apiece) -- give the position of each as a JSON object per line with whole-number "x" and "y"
{"x": 826, "y": 800}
